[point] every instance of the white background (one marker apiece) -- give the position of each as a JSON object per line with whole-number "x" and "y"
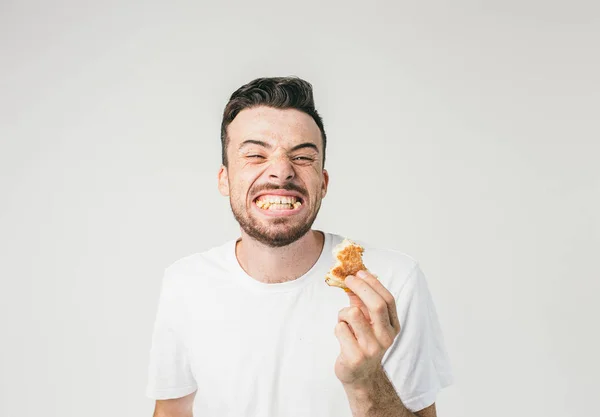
{"x": 465, "y": 134}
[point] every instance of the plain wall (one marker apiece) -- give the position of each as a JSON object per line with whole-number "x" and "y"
{"x": 469, "y": 131}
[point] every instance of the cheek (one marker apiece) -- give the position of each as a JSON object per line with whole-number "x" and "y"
{"x": 240, "y": 188}
{"x": 314, "y": 179}
{"x": 247, "y": 177}
{"x": 315, "y": 190}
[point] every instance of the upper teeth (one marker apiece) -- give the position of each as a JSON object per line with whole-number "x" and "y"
{"x": 276, "y": 199}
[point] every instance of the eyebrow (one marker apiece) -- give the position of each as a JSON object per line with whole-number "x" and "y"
{"x": 269, "y": 146}
{"x": 255, "y": 142}
{"x": 305, "y": 145}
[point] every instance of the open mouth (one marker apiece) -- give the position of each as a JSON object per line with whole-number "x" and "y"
{"x": 278, "y": 202}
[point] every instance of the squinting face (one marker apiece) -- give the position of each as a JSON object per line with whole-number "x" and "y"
{"x": 275, "y": 180}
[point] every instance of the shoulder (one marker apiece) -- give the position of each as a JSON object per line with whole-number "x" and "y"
{"x": 394, "y": 268}
{"x": 190, "y": 268}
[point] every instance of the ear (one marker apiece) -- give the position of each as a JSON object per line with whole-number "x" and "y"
{"x": 223, "y": 181}
{"x": 325, "y": 183}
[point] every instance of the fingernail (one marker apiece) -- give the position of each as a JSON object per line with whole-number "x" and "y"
{"x": 361, "y": 274}
{"x": 349, "y": 279}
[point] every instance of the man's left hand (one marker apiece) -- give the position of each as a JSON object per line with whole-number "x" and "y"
{"x": 365, "y": 330}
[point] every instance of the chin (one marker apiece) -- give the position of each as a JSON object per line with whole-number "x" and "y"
{"x": 276, "y": 235}
{"x": 275, "y": 231}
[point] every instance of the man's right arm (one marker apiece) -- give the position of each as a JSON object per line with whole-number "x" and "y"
{"x": 177, "y": 407}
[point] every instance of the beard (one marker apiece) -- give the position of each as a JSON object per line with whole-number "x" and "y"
{"x": 278, "y": 232}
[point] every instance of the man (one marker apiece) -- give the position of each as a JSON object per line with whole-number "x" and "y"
{"x": 250, "y": 328}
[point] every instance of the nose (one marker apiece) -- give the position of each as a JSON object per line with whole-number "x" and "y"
{"x": 281, "y": 169}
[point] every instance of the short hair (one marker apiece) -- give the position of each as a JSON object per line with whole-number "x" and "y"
{"x": 276, "y": 92}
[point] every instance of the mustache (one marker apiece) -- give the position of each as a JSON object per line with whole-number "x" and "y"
{"x": 287, "y": 187}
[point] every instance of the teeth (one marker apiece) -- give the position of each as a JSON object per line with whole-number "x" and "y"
{"x": 277, "y": 206}
{"x": 280, "y": 207}
{"x": 277, "y": 199}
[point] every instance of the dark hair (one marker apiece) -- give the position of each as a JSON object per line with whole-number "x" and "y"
{"x": 276, "y": 92}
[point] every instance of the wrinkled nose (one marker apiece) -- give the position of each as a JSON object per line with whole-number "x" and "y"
{"x": 281, "y": 169}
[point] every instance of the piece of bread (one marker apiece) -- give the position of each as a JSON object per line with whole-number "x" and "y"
{"x": 349, "y": 261}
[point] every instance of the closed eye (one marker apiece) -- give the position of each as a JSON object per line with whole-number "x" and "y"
{"x": 303, "y": 158}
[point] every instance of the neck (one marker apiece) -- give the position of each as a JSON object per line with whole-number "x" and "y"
{"x": 272, "y": 265}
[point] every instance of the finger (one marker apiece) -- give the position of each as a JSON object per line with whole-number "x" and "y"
{"x": 355, "y": 301}
{"x": 377, "y": 306}
{"x": 349, "y": 347}
{"x": 378, "y": 286}
{"x": 363, "y": 332}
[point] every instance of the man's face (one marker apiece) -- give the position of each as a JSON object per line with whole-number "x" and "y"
{"x": 275, "y": 181}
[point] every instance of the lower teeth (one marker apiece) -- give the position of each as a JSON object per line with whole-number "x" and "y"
{"x": 277, "y": 206}
{"x": 280, "y": 207}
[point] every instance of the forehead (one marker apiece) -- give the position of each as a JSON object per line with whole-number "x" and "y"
{"x": 285, "y": 127}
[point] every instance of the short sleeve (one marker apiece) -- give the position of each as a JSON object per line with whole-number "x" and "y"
{"x": 169, "y": 370}
{"x": 417, "y": 363}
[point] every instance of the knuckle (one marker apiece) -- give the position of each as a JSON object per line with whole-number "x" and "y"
{"x": 373, "y": 351}
{"x": 343, "y": 313}
{"x": 380, "y": 307}
{"x": 354, "y": 313}
{"x": 389, "y": 299}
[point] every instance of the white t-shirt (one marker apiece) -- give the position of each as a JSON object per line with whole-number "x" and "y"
{"x": 255, "y": 349}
